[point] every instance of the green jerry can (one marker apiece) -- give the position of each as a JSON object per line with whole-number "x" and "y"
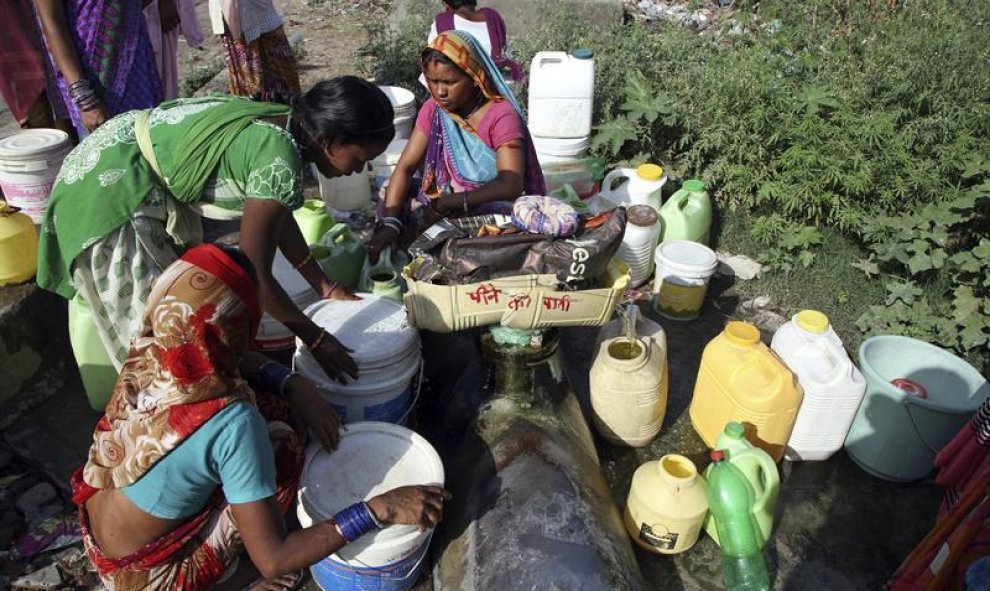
{"x": 341, "y": 255}
{"x": 313, "y": 220}
{"x": 687, "y": 215}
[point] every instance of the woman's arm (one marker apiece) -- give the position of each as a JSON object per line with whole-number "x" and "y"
{"x": 506, "y": 186}
{"x": 275, "y": 554}
{"x": 261, "y": 231}
{"x": 55, "y": 28}
{"x": 397, "y": 191}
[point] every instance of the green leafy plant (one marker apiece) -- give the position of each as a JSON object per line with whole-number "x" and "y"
{"x": 787, "y": 245}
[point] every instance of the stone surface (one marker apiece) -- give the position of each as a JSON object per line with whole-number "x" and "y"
{"x": 31, "y": 501}
{"x": 45, "y": 578}
{"x": 737, "y": 265}
{"x": 54, "y": 437}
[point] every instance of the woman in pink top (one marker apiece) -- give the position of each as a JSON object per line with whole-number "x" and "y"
{"x": 470, "y": 140}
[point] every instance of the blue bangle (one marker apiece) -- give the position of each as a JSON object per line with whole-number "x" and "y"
{"x": 354, "y": 521}
{"x": 272, "y": 375}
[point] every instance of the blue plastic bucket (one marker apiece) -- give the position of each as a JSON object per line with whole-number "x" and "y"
{"x": 335, "y": 575}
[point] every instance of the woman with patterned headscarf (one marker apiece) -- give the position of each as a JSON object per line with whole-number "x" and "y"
{"x": 192, "y": 463}
{"x": 470, "y": 140}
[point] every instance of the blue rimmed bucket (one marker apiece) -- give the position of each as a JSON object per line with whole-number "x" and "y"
{"x": 336, "y": 575}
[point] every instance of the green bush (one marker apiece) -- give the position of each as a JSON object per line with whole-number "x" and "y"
{"x": 870, "y": 117}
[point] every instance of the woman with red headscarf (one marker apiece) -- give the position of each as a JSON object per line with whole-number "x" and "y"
{"x": 192, "y": 462}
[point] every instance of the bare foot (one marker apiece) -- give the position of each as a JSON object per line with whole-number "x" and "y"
{"x": 283, "y": 583}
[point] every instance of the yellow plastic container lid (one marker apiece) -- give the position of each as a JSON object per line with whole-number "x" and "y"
{"x": 649, "y": 172}
{"x": 812, "y": 321}
{"x": 741, "y": 333}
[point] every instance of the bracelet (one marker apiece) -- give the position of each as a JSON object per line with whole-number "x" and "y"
{"x": 272, "y": 375}
{"x": 374, "y": 519}
{"x": 281, "y": 386}
{"x": 319, "y": 339}
{"x": 354, "y": 521}
{"x": 302, "y": 263}
{"x": 333, "y": 287}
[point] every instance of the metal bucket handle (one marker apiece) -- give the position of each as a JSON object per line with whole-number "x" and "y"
{"x": 908, "y": 403}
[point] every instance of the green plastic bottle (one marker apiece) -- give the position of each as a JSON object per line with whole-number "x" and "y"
{"x": 313, "y": 220}
{"x": 759, "y": 469}
{"x": 687, "y": 215}
{"x": 730, "y": 497}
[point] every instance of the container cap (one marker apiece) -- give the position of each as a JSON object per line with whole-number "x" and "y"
{"x": 31, "y": 143}
{"x": 649, "y": 172}
{"x": 694, "y": 185}
{"x": 583, "y": 53}
{"x": 812, "y": 321}
{"x": 910, "y": 387}
{"x": 641, "y": 215}
{"x": 717, "y": 455}
{"x": 735, "y": 430}
{"x": 740, "y": 333}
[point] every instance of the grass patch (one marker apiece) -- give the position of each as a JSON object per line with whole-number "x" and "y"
{"x": 829, "y": 284}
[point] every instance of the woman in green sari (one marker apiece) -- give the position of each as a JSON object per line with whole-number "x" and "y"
{"x": 134, "y": 194}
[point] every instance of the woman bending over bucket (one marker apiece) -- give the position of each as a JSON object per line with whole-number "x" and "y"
{"x": 147, "y": 185}
{"x": 470, "y": 139}
{"x": 191, "y": 464}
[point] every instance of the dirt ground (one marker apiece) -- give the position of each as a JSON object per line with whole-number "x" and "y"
{"x": 326, "y": 35}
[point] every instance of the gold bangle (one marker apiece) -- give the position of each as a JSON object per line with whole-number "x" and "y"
{"x": 319, "y": 339}
{"x": 303, "y": 262}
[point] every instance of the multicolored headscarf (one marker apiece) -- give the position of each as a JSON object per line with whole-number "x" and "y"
{"x": 456, "y": 158}
{"x": 202, "y": 314}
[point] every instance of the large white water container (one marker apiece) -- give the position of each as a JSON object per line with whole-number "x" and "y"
{"x": 561, "y": 94}
{"x": 372, "y": 458}
{"x": 404, "y": 105}
{"x": 272, "y": 334}
{"x": 29, "y": 162}
{"x": 385, "y": 349}
{"x": 833, "y": 386}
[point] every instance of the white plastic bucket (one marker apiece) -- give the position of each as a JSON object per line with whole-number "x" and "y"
{"x": 29, "y": 162}
{"x": 344, "y": 194}
{"x": 372, "y": 458}
{"x": 272, "y": 334}
{"x": 385, "y": 349}
{"x": 683, "y": 271}
{"x": 404, "y": 105}
{"x": 550, "y": 150}
{"x": 383, "y": 166}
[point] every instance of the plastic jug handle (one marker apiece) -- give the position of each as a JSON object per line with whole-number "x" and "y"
{"x": 767, "y": 466}
{"x": 618, "y": 173}
{"x": 385, "y": 259}
{"x": 551, "y": 57}
{"x": 334, "y": 234}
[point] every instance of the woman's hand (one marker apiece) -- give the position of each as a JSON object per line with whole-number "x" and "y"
{"x": 384, "y": 237}
{"x": 335, "y": 359}
{"x": 95, "y": 117}
{"x": 313, "y": 412}
{"x": 411, "y": 505}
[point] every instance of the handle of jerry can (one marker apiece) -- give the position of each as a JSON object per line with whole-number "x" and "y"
{"x": 336, "y": 233}
{"x": 551, "y": 57}
{"x": 618, "y": 173}
{"x": 767, "y": 467}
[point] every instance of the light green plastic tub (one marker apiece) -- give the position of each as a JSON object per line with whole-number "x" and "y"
{"x": 896, "y": 435}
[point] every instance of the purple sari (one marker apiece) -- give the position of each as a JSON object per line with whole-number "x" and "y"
{"x": 111, "y": 39}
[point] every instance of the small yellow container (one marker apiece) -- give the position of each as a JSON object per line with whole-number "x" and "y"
{"x": 18, "y": 246}
{"x": 740, "y": 379}
{"x": 667, "y": 505}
